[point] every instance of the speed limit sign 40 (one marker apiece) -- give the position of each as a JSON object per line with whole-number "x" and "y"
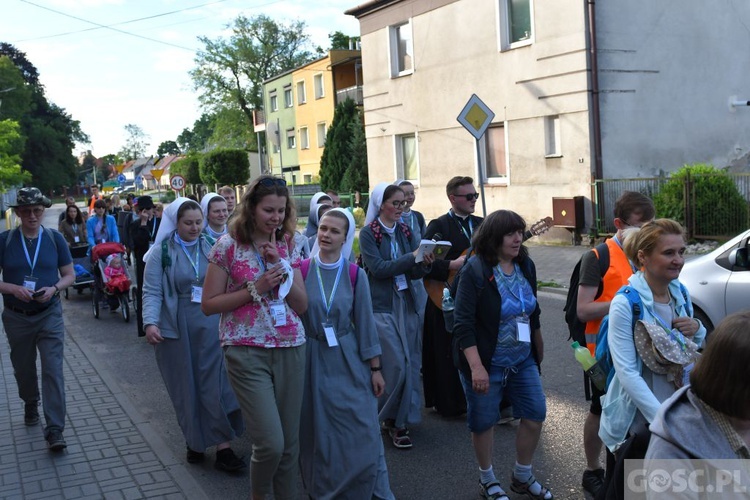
{"x": 177, "y": 182}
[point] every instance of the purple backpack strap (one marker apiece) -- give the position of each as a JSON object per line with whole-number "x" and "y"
{"x": 353, "y": 269}
{"x": 304, "y": 267}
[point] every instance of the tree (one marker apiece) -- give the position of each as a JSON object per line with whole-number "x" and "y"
{"x": 28, "y": 70}
{"x": 231, "y": 72}
{"x": 135, "y": 144}
{"x": 11, "y": 145}
{"x": 15, "y": 93}
{"x": 225, "y": 166}
{"x": 345, "y": 150}
{"x": 198, "y": 138}
{"x": 168, "y": 148}
{"x": 189, "y": 168}
{"x": 340, "y": 41}
{"x": 230, "y": 130}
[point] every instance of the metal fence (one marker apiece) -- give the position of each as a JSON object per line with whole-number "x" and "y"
{"x": 706, "y": 205}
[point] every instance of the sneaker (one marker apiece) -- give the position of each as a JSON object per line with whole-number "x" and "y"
{"x": 194, "y": 457}
{"x": 31, "y": 413}
{"x": 592, "y": 481}
{"x": 387, "y": 424}
{"x": 55, "y": 441}
{"x": 400, "y": 438}
{"x": 227, "y": 461}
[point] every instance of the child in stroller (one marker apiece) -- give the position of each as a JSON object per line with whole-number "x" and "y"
{"x": 116, "y": 280}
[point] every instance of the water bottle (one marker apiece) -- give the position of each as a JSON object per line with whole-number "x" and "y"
{"x": 448, "y": 307}
{"x": 590, "y": 366}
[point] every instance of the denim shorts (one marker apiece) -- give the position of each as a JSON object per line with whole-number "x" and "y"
{"x": 522, "y": 386}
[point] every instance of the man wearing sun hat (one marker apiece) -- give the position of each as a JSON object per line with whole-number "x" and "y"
{"x": 36, "y": 265}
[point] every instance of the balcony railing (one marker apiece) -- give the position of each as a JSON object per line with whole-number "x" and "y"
{"x": 353, "y": 93}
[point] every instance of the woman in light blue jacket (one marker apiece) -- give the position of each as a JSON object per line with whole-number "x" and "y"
{"x": 101, "y": 228}
{"x": 635, "y": 394}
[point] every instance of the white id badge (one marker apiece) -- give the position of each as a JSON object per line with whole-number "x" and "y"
{"x": 278, "y": 312}
{"x": 76, "y": 239}
{"x": 29, "y": 283}
{"x": 330, "y": 332}
{"x": 686, "y": 373}
{"x": 196, "y": 294}
{"x": 401, "y": 282}
{"x": 523, "y": 329}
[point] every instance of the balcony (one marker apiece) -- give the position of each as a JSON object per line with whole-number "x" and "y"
{"x": 353, "y": 93}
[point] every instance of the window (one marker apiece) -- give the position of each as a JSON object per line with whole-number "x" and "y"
{"x": 288, "y": 100}
{"x": 321, "y": 134}
{"x": 304, "y": 138}
{"x": 307, "y": 178}
{"x": 401, "y": 50}
{"x": 516, "y": 26}
{"x": 275, "y": 147}
{"x": 274, "y": 102}
{"x": 301, "y": 95}
{"x": 552, "y": 136}
{"x": 291, "y": 139}
{"x": 407, "y": 161}
{"x": 493, "y": 152}
{"x": 320, "y": 91}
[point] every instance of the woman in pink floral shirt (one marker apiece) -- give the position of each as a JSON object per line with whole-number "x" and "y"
{"x": 254, "y": 282}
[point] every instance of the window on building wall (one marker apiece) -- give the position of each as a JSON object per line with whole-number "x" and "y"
{"x": 516, "y": 23}
{"x": 552, "y": 136}
{"x": 275, "y": 147}
{"x": 401, "y": 49}
{"x": 307, "y": 178}
{"x": 274, "y": 102}
{"x": 304, "y": 138}
{"x": 318, "y": 83}
{"x": 495, "y": 162}
{"x": 288, "y": 100}
{"x": 321, "y": 132}
{"x": 301, "y": 95}
{"x": 407, "y": 158}
{"x": 291, "y": 139}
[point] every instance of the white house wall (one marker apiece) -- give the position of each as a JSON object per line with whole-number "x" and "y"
{"x": 456, "y": 54}
{"x": 667, "y": 69}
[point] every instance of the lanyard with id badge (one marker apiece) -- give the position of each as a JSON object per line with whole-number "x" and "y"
{"x": 328, "y": 328}
{"x": 196, "y": 293}
{"x": 523, "y": 324}
{"x": 30, "y": 281}
{"x": 399, "y": 281}
{"x": 277, "y": 306}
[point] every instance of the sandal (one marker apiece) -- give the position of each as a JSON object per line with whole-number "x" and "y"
{"x": 400, "y": 438}
{"x": 484, "y": 491}
{"x": 523, "y": 488}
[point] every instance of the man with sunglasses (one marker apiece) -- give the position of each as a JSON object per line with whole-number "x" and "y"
{"x": 442, "y": 387}
{"x": 36, "y": 265}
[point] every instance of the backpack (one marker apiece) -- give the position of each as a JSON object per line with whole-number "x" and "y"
{"x": 377, "y": 232}
{"x": 304, "y": 267}
{"x": 576, "y": 327}
{"x": 603, "y": 356}
{"x": 12, "y": 232}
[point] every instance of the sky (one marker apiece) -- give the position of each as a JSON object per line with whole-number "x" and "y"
{"x": 107, "y": 79}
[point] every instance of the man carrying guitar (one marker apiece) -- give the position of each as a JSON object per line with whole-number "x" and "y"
{"x": 442, "y": 387}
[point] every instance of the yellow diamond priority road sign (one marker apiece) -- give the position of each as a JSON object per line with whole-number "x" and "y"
{"x": 476, "y": 117}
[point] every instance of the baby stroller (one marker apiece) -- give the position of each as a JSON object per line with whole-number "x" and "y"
{"x": 110, "y": 286}
{"x": 82, "y": 264}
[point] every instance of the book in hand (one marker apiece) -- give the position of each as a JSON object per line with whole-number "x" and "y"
{"x": 439, "y": 248}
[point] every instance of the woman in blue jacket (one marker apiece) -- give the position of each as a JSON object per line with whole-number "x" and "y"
{"x": 498, "y": 349}
{"x": 101, "y": 228}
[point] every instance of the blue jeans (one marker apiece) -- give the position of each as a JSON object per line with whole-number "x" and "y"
{"x": 521, "y": 384}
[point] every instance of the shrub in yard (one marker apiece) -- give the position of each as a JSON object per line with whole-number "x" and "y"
{"x": 225, "y": 166}
{"x": 718, "y": 206}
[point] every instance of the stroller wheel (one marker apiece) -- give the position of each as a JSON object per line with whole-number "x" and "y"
{"x": 124, "y": 308}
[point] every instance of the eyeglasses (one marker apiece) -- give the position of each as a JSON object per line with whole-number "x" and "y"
{"x": 25, "y": 212}
{"x": 272, "y": 181}
{"x": 398, "y": 204}
{"x": 468, "y": 197}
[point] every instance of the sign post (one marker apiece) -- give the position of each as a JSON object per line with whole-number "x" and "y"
{"x": 156, "y": 173}
{"x": 476, "y": 117}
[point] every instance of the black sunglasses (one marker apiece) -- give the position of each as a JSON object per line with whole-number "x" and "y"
{"x": 272, "y": 181}
{"x": 468, "y": 197}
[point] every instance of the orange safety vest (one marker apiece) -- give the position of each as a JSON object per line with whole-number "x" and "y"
{"x": 92, "y": 201}
{"x": 616, "y": 276}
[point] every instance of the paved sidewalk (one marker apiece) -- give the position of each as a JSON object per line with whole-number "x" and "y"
{"x": 555, "y": 263}
{"x": 112, "y": 452}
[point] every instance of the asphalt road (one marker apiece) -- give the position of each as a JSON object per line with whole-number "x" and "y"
{"x": 441, "y": 465}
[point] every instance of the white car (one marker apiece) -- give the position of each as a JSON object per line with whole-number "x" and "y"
{"x": 719, "y": 281}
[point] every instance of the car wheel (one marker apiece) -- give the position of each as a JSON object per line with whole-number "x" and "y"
{"x": 701, "y": 316}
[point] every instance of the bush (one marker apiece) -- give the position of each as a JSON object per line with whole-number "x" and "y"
{"x": 189, "y": 168}
{"x": 718, "y": 206}
{"x": 225, "y": 166}
{"x": 168, "y": 197}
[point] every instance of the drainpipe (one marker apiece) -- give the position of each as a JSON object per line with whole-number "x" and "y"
{"x": 595, "y": 113}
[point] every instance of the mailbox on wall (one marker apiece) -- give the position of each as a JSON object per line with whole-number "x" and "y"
{"x": 568, "y": 212}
